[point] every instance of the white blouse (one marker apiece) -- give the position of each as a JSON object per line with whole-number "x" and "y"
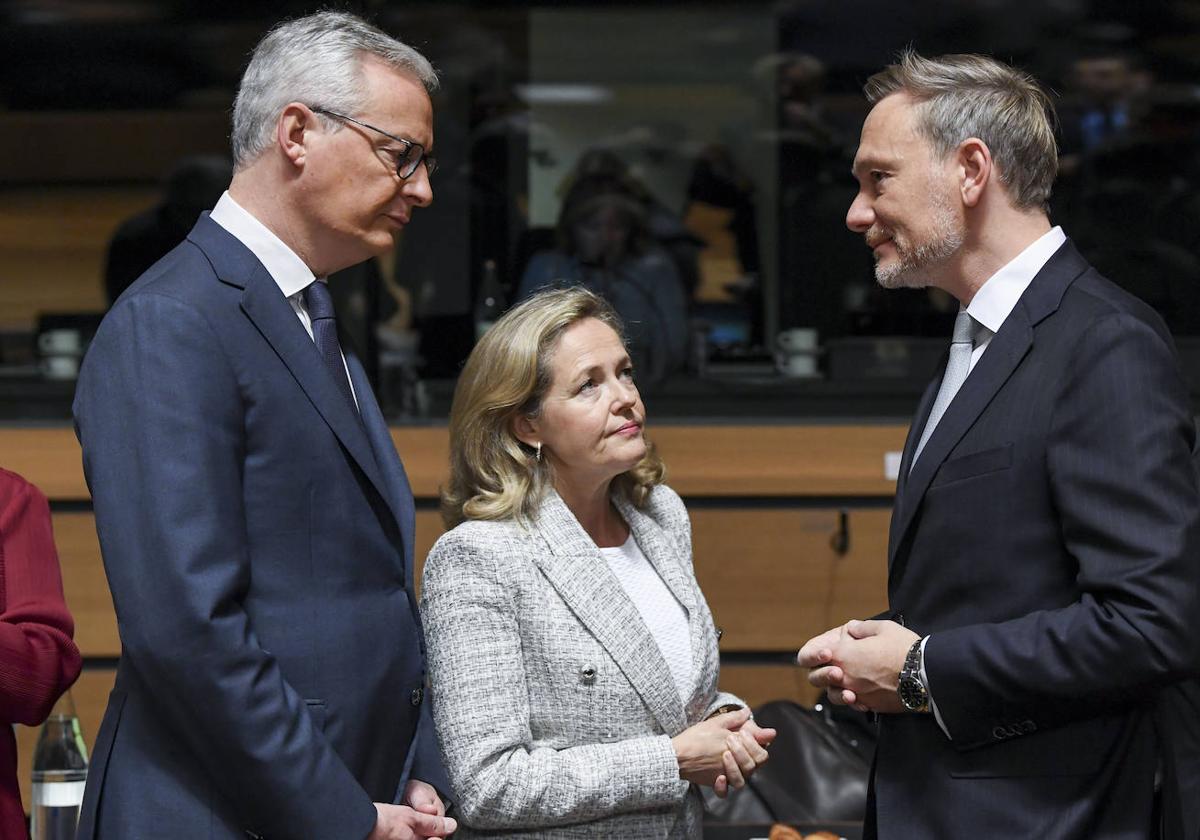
{"x": 664, "y": 615}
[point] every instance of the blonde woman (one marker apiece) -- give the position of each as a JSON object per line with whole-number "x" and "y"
{"x": 572, "y": 655}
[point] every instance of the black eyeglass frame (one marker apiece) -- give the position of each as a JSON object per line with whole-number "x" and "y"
{"x": 429, "y": 160}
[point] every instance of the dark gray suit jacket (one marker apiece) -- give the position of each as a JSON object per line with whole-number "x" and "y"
{"x": 257, "y": 538}
{"x": 1048, "y": 540}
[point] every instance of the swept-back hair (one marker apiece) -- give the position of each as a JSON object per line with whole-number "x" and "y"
{"x": 493, "y": 475}
{"x": 963, "y": 96}
{"x": 316, "y": 60}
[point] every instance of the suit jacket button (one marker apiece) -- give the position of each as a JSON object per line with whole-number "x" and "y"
{"x": 415, "y": 697}
{"x": 587, "y": 675}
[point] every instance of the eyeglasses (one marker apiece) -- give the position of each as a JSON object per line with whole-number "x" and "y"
{"x": 407, "y": 161}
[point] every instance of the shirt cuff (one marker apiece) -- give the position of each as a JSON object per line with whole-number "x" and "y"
{"x": 929, "y": 692}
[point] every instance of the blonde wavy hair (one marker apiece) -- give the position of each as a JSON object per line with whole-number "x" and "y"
{"x": 492, "y": 474}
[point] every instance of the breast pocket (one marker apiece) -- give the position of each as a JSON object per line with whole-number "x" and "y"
{"x": 975, "y": 464}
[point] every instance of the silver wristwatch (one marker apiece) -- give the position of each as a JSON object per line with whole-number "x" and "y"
{"x": 912, "y": 690}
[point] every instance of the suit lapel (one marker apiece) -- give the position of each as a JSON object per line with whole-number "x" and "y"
{"x": 396, "y": 490}
{"x": 578, "y": 572}
{"x": 1003, "y": 355}
{"x": 663, "y": 554}
{"x": 910, "y": 444}
{"x": 273, "y": 316}
{"x": 659, "y": 550}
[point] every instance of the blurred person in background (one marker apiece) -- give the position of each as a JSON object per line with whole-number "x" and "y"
{"x": 571, "y": 650}
{"x": 604, "y": 245}
{"x": 193, "y": 185}
{"x": 38, "y": 659}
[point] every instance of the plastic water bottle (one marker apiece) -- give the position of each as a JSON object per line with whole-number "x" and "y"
{"x": 59, "y": 772}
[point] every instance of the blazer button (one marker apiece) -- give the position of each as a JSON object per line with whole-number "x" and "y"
{"x": 587, "y": 675}
{"x": 415, "y": 697}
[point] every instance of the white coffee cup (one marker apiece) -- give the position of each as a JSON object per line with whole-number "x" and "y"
{"x": 60, "y": 342}
{"x": 797, "y": 351}
{"x": 797, "y": 339}
{"x": 60, "y": 367}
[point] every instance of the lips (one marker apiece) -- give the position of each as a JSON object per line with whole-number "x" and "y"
{"x": 398, "y": 219}
{"x": 876, "y": 237}
{"x": 629, "y": 428}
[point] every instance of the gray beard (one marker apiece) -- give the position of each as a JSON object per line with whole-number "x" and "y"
{"x": 911, "y": 270}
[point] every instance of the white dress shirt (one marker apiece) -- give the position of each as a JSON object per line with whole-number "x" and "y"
{"x": 996, "y": 298}
{"x": 283, "y": 264}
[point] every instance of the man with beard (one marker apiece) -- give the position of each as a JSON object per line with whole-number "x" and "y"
{"x": 1045, "y": 544}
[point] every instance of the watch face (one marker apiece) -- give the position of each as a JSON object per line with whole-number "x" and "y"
{"x": 912, "y": 693}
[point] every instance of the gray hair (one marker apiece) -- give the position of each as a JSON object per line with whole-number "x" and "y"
{"x": 964, "y": 96}
{"x": 316, "y": 60}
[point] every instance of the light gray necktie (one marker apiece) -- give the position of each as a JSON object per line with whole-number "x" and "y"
{"x": 958, "y": 366}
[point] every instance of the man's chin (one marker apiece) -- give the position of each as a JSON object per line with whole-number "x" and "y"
{"x": 898, "y": 277}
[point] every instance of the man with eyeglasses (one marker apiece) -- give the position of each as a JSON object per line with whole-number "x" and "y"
{"x": 255, "y": 519}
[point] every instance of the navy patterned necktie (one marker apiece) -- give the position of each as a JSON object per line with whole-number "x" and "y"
{"x": 324, "y": 327}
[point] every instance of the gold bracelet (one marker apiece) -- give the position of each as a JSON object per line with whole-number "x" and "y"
{"x": 723, "y": 709}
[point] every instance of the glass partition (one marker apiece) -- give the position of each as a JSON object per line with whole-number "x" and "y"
{"x": 689, "y": 160}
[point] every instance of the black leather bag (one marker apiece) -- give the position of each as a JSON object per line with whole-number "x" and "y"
{"x": 817, "y": 773}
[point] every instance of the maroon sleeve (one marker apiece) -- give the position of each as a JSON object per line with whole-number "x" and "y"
{"x": 38, "y": 659}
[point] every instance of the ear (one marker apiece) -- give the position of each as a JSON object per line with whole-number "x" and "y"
{"x": 292, "y": 132}
{"x": 525, "y": 429}
{"x": 975, "y": 170}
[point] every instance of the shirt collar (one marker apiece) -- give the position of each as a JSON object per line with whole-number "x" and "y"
{"x": 281, "y": 262}
{"x": 999, "y": 295}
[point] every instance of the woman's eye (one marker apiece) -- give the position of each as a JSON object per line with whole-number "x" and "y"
{"x": 588, "y": 384}
{"x": 627, "y": 373}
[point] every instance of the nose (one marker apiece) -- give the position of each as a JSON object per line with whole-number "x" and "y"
{"x": 861, "y": 215}
{"x": 418, "y": 188}
{"x": 626, "y": 395}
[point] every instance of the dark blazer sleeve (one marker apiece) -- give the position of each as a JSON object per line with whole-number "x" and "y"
{"x": 161, "y": 418}
{"x": 427, "y": 760}
{"x": 1124, "y": 490}
{"x": 38, "y": 659}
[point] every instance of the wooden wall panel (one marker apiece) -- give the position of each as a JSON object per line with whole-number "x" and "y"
{"x": 810, "y": 460}
{"x": 703, "y": 461}
{"x": 90, "y": 694}
{"x": 54, "y": 241}
{"x": 85, "y": 585}
{"x": 816, "y": 460}
{"x": 49, "y": 458}
{"x": 773, "y": 579}
{"x": 758, "y": 684}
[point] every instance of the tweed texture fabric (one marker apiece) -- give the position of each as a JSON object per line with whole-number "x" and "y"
{"x": 553, "y": 704}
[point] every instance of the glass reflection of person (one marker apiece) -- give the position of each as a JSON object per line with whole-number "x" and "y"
{"x": 572, "y": 653}
{"x": 604, "y": 246}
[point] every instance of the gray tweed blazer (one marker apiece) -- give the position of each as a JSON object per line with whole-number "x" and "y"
{"x": 553, "y": 705}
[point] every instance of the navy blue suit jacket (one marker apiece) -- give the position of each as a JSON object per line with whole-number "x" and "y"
{"x": 258, "y": 542}
{"x": 1047, "y": 541}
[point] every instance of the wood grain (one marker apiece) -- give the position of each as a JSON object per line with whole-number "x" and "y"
{"x": 773, "y": 579}
{"x": 85, "y": 585}
{"x": 702, "y": 461}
